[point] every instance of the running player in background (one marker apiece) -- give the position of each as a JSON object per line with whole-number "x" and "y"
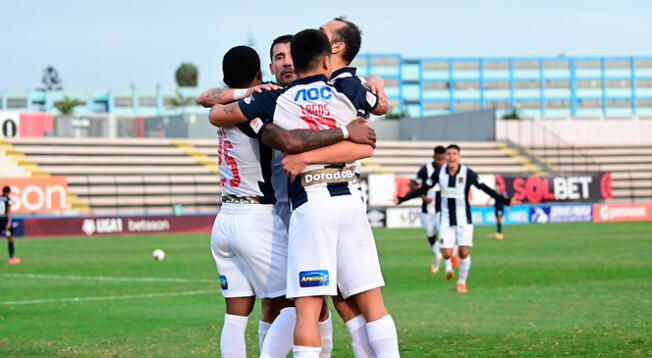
{"x": 431, "y": 204}
{"x": 6, "y": 228}
{"x": 456, "y": 227}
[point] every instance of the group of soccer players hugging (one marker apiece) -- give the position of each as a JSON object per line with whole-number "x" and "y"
{"x": 292, "y": 229}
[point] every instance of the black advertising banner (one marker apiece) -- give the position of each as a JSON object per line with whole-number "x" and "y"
{"x": 577, "y": 187}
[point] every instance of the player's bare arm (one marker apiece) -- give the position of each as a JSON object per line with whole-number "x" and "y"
{"x": 303, "y": 140}
{"x": 225, "y": 95}
{"x": 341, "y": 152}
{"x": 226, "y": 115}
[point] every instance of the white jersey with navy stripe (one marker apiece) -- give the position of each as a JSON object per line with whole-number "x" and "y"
{"x": 455, "y": 208}
{"x": 244, "y": 166}
{"x": 313, "y": 103}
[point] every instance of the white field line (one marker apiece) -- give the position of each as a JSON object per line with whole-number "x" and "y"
{"x": 106, "y": 278}
{"x": 106, "y": 298}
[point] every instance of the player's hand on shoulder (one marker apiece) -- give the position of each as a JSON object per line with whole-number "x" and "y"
{"x": 361, "y": 132}
{"x": 263, "y": 87}
{"x": 377, "y": 86}
{"x": 293, "y": 164}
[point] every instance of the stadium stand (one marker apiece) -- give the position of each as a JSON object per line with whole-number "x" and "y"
{"x": 405, "y": 157}
{"x": 126, "y": 176}
{"x": 629, "y": 163}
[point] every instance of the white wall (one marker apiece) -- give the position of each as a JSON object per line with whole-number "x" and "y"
{"x": 575, "y": 131}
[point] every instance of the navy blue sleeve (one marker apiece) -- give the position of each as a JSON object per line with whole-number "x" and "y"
{"x": 473, "y": 180}
{"x": 422, "y": 175}
{"x": 259, "y": 105}
{"x": 362, "y": 98}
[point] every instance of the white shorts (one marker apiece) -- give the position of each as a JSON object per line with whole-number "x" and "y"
{"x": 331, "y": 247}
{"x": 429, "y": 222}
{"x": 249, "y": 244}
{"x": 451, "y": 236}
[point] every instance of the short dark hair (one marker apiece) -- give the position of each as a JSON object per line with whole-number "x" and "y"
{"x": 240, "y": 66}
{"x": 351, "y": 35}
{"x": 454, "y": 146}
{"x": 440, "y": 149}
{"x": 6, "y": 189}
{"x": 308, "y": 47}
{"x": 284, "y": 39}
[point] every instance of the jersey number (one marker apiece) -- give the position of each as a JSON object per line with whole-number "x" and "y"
{"x": 224, "y": 157}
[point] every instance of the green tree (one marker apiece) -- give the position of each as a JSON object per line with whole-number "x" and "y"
{"x": 181, "y": 101}
{"x": 186, "y": 75}
{"x": 67, "y": 105}
{"x": 394, "y": 114}
{"x": 513, "y": 114}
{"x": 51, "y": 80}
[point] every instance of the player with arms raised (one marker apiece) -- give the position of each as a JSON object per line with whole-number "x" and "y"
{"x": 455, "y": 227}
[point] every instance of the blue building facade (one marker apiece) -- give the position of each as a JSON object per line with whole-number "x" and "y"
{"x": 534, "y": 86}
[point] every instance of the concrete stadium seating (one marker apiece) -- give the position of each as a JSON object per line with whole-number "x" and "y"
{"x": 629, "y": 163}
{"x": 405, "y": 158}
{"x": 126, "y": 175}
{"x": 121, "y": 176}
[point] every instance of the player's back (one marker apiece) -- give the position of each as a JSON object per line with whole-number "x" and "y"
{"x": 244, "y": 167}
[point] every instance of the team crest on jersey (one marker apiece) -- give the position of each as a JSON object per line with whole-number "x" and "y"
{"x": 256, "y": 124}
{"x": 460, "y": 180}
{"x": 314, "y": 278}
{"x": 371, "y": 99}
{"x": 224, "y": 283}
{"x": 248, "y": 100}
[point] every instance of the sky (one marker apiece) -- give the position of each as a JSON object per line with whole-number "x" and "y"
{"x": 101, "y": 45}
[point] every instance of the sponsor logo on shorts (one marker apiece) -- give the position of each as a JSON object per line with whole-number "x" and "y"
{"x": 328, "y": 175}
{"x": 224, "y": 283}
{"x": 313, "y": 278}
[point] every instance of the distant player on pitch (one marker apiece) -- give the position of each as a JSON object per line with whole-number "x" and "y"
{"x": 455, "y": 227}
{"x": 6, "y": 229}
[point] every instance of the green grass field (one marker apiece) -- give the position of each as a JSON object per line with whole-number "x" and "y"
{"x": 558, "y": 290}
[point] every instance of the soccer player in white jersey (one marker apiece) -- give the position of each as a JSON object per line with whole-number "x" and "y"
{"x": 455, "y": 227}
{"x": 431, "y": 204}
{"x": 332, "y": 250}
{"x": 249, "y": 240}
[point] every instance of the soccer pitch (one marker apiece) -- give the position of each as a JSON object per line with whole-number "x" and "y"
{"x": 571, "y": 290}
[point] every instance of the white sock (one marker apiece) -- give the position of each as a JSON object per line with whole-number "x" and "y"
{"x": 326, "y": 334}
{"x": 383, "y": 338}
{"x": 449, "y": 265}
{"x": 465, "y": 265}
{"x": 280, "y": 336}
{"x": 306, "y": 352}
{"x": 263, "y": 327}
{"x": 438, "y": 256}
{"x": 359, "y": 340}
{"x": 232, "y": 340}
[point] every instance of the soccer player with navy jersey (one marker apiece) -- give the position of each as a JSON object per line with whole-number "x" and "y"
{"x": 431, "y": 204}
{"x": 499, "y": 211}
{"x": 6, "y": 229}
{"x": 455, "y": 227}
